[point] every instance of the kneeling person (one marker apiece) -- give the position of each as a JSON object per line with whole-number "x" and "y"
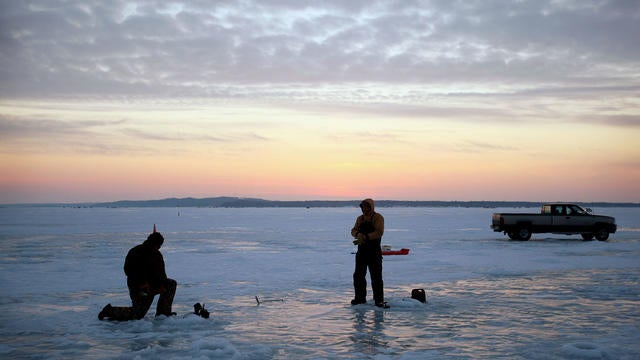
{"x": 146, "y": 278}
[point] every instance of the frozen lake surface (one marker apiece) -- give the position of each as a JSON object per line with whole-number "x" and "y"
{"x": 553, "y": 297}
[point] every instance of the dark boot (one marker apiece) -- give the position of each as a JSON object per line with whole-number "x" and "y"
{"x": 106, "y": 312}
{"x": 358, "y": 301}
{"x": 121, "y": 313}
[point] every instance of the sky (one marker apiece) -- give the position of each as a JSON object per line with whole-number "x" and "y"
{"x": 302, "y": 100}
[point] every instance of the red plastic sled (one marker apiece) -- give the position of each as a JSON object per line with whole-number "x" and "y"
{"x": 402, "y": 251}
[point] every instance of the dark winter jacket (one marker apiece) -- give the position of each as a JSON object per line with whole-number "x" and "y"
{"x": 145, "y": 264}
{"x": 372, "y": 226}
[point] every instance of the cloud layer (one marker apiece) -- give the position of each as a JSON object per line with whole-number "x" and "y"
{"x": 307, "y": 49}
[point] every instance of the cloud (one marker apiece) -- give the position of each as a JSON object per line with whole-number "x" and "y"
{"x": 19, "y": 127}
{"x": 190, "y": 137}
{"x": 627, "y": 121}
{"x": 479, "y": 146}
{"x": 42, "y": 135}
{"x": 194, "y": 48}
{"x": 39, "y": 134}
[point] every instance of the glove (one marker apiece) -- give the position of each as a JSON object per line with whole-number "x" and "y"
{"x": 360, "y": 238}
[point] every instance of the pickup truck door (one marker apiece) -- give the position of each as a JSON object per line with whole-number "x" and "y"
{"x": 570, "y": 218}
{"x": 560, "y": 220}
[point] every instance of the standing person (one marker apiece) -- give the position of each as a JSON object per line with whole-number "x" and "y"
{"x": 367, "y": 232}
{"x": 146, "y": 278}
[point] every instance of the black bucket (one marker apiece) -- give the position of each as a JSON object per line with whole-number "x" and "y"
{"x": 419, "y": 295}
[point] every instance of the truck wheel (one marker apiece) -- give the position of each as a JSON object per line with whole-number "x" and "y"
{"x": 602, "y": 234}
{"x": 523, "y": 233}
{"x": 512, "y": 235}
{"x": 587, "y": 236}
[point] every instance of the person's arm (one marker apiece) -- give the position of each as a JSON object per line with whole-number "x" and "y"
{"x": 354, "y": 231}
{"x": 378, "y": 226}
{"x": 158, "y": 275}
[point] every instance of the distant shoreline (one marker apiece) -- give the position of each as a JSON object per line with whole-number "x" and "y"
{"x": 237, "y": 202}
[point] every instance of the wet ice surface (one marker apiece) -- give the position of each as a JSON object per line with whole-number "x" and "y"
{"x": 553, "y": 297}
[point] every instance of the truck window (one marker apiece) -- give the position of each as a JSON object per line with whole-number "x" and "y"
{"x": 546, "y": 209}
{"x": 575, "y": 210}
{"x": 558, "y": 210}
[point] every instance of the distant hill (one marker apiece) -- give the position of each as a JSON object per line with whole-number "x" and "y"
{"x": 237, "y": 202}
{"x": 180, "y": 202}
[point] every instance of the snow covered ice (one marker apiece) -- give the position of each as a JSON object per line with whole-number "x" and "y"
{"x": 553, "y": 297}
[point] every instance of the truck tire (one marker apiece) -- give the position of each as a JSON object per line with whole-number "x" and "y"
{"x": 523, "y": 233}
{"x": 602, "y": 234}
{"x": 512, "y": 235}
{"x": 587, "y": 236}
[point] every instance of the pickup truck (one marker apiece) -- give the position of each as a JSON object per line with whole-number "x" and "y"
{"x": 558, "y": 218}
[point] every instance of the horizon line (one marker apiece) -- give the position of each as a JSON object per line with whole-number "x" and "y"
{"x": 266, "y": 201}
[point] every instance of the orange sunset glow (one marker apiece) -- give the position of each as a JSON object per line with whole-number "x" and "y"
{"x": 407, "y": 102}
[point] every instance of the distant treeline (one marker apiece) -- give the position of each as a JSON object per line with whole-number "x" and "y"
{"x": 237, "y": 202}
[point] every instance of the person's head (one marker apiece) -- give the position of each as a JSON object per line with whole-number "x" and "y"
{"x": 155, "y": 239}
{"x": 367, "y": 206}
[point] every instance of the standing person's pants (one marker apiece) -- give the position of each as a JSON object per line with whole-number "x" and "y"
{"x": 372, "y": 259}
{"x": 141, "y": 302}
